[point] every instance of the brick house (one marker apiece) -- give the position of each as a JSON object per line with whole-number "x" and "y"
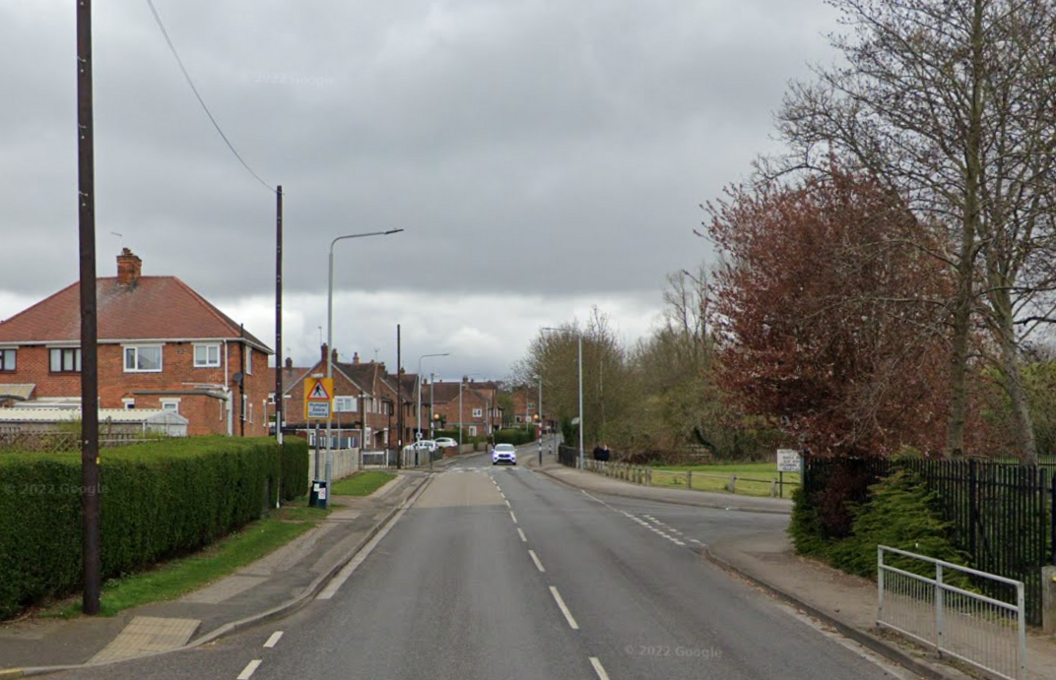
{"x": 480, "y": 411}
{"x": 161, "y": 346}
{"x": 525, "y": 406}
{"x": 364, "y": 412}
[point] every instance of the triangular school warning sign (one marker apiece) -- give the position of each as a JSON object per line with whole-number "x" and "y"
{"x": 319, "y": 392}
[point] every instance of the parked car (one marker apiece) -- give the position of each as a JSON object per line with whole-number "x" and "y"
{"x": 446, "y": 442}
{"x": 503, "y": 453}
{"x": 425, "y": 445}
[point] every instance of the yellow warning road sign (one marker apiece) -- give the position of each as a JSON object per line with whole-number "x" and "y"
{"x": 318, "y": 398}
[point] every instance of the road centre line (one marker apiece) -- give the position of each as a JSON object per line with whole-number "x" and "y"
{"x": 274, "y": 639}
{"x": 513, "y": 516}
{"x": 535, "y": 558}
{"x": 248, "y": 671}
{"x": 508, "y": 504}
{"x": 598, "y": 668}
{"x": 524, "y": 539}
{"x": 564, "y": 609}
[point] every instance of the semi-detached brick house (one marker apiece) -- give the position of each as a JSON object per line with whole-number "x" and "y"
{"x": 161, "y": 345}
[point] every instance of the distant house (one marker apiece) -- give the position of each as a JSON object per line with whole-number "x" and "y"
{"x": 473, "y": 405}
{"x": 364, "y": 413}
{"x": 161, "y": 346}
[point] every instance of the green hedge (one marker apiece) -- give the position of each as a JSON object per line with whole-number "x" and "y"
{"x": 157, "y": 500}
{"x": 295, "y": 457}
{"x": 515, "y": 436}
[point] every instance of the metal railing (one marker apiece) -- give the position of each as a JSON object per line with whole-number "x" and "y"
{"x": 987, "y": 632}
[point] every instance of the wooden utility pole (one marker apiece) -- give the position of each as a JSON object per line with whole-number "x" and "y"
{"x": 278, "y": 315}
{"x": 399, "y": 402}
{"x": 89, "y": 333}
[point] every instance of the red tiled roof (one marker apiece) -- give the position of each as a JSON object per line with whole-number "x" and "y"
{"x": 155, "y": 308}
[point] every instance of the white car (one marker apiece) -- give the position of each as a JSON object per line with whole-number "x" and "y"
{"x": 425, "y": 445}
{"x": 446, "y": 442}
{"x": 503, "y": 453}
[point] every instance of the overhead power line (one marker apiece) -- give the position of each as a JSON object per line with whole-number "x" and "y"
{"x": 172, "y": 48}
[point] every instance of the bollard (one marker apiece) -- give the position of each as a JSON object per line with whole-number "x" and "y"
{"x": 773, "y": 488}
{"x": 689, "y": 479}
{"x": 649, "y": 477}
{"x": 1048, "y": 600}
{"x": 732, "y": 486}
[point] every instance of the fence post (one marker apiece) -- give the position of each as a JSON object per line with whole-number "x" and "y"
{"x": 649, "y": 477}
{"x": 939, "y": 613}
{"x": 773, "y": 488}
{"x": 733, "y": 483}
{"x": 689, "y": 479}
{"x": 1048, "y": 600}
{"x": 1021, "y": 604}
{"x": 879, "y": 583}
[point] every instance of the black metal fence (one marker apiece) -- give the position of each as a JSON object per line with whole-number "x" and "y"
{"x": 1002, "y": 514}
{"x": 568, "y": 455}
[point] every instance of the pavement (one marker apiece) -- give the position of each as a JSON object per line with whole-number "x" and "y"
{"x": 289, "y": 578}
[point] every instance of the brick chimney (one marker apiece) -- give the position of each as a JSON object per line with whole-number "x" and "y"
{"x": 333, "y": 356}
{"x": 322, "y": 353}
{"x": 129, "y": 268}
{"x": 355, "y": 357}
{"x": 289, "y": 363}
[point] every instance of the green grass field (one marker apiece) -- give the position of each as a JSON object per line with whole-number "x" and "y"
{"x": 362, "y": 483}
{"x": 717, "y": 477}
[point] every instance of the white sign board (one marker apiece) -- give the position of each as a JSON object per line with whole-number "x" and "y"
{"x": 319, "y": 409}
{"x": 788, "y": 460}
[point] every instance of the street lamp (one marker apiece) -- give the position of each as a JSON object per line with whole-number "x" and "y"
{"x": 461, "y": 385}
{"x": 419, "y": 379}
{"x": 330, "y": 341}
{"x": 579, "y": 362}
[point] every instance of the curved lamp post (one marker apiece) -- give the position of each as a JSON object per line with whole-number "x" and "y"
{"x": 330, "y": 341}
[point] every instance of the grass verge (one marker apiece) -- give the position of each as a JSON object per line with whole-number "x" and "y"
{"x": 717, "y": 477}
{"x": 176, "y": 578}
{"x": 362, "y": 483}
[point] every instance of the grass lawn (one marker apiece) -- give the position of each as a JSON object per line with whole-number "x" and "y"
{"x": 362, "y": 483}
{"x": 716, "y": 477}
{"x": 178, "y": 577}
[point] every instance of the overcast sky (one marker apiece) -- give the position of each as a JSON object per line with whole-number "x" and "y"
{"x": 543, "y": 156}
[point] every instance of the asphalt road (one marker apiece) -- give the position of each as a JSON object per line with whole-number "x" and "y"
{"x": 502, "y": 573}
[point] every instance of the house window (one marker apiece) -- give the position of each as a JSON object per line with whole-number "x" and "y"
{"x": 170, "y": 405}
{"x": 531, "y": 406}
{"x": 345, "y": 404}
{"x": 65, "y": 360}
{"x": 249, "y": 361}
{"x": 128, "y": 403}
{"x": 478, "y": 412}
{"x": 7, "y": 359}
{"x": 245, "y": 406}
{"x": 143, "y": 359}
{"x": 207, "y": 356}
{"x": 472, "y": 430}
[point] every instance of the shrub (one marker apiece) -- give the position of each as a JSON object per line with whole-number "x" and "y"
{"x": 901, "y": 513}
{"x": 515, "y": 436}
{"x": 157, "y": 500}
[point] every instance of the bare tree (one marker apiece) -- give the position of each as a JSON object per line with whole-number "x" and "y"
{"x": 953, "y": 106}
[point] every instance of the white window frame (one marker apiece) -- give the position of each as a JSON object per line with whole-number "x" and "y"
{"x": 478, "y": 413}
{"x": 249, "y": 360}
{"x": 531, "y": 406}
{"x": 472, "y": 430}
{"x": 170, "y": 405}
{"x": 208, "y": 363}
{"x": 345, "y": 404}
{"x": 137, "y": 349}
{"x": 245, "y": 406}
{"x": 62, "y": 359}
{"x": 128, "y": 403}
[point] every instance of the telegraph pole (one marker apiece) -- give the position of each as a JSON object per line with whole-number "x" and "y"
{"x": 89, "y": 330}
{"x": 399, "y": 401}
{"x": 278, "y": 315}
